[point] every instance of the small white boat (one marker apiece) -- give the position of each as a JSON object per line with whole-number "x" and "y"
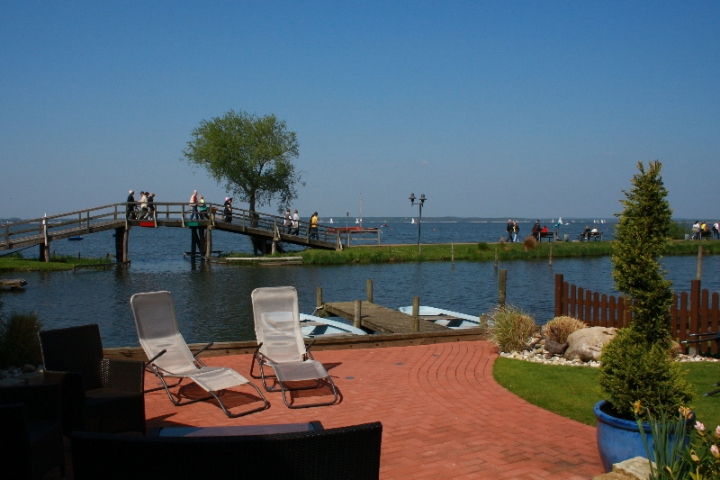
{"x": 313, "y": 327}
{"x": 446, "y": 318}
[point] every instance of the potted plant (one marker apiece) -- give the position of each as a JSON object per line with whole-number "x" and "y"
{"x": 637, "y": 365}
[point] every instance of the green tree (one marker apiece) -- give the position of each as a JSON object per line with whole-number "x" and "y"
{"x": 640, "y": 236}
{"x": 637, "y": 364}
{"x": 252, "y": 155}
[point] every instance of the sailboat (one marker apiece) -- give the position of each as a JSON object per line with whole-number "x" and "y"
{"x": 413, "y": 221}
{"x": 358, "y": 223}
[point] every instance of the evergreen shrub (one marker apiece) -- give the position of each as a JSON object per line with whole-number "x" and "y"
{"x": 19, "y": 342}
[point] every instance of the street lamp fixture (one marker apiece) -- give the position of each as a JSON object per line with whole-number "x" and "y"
{"x": 421, "y": 202}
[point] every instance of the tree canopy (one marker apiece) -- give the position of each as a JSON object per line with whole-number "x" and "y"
{"x": 252, "y": 155}
{"x": 640, "y": 236}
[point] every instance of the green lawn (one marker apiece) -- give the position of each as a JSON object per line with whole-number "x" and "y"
{"x": 16, "y": 263}
{"x": 572, "y": 391}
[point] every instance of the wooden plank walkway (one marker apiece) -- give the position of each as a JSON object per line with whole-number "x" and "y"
{"x": 380, "y": 319}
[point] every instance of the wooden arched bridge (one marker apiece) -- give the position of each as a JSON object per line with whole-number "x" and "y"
{"x": 122, "y": 217}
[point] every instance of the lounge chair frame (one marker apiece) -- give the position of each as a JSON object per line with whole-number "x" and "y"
{"x": 149, "y": 309}
{"x": 296, "y": 364}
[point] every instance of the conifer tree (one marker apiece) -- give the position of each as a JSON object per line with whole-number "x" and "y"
{"x": 640, "y": 235}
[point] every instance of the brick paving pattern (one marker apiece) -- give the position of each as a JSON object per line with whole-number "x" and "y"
{"x": 443, "y": 414}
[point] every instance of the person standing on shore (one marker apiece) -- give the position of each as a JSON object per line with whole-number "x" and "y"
{"x": 516, "y": 231}
{"x": 509, "y": 230}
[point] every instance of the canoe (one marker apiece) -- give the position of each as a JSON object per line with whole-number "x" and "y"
{"x": 446, "y": 318}
{"x": 312, "y": 327}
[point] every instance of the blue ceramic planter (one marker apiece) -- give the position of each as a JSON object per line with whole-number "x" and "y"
{"x": 620, "y": 439}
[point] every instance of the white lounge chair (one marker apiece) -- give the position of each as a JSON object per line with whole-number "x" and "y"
{"x": 281, "y": 346}
{"x": 170, "y": 357}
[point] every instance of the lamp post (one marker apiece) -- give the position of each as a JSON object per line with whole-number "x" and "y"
{"x": 421, "y": 202}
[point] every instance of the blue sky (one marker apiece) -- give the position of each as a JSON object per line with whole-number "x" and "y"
{"x": 491, "y": 109}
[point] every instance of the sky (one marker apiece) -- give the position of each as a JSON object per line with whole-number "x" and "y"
{"x": 491, "y": 109}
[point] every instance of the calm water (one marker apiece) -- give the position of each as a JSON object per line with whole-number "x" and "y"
{"x": 213, "y": 301}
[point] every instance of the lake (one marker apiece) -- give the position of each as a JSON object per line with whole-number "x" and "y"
{"x": 213, "y": 301}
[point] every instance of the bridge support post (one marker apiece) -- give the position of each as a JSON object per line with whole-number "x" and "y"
{"x": 198, "y": 236}
{"x": 208, "y": 243}
{"x": 44, "y": 252}
{"x": 121, "y": 244}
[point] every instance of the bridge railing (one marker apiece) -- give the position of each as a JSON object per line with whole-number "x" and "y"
{"x": 81, "y": 221}
{"x": 54, "y": 224}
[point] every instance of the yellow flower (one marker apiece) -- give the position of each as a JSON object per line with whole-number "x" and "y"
{"x": 685, "y": 412}
{"x": 637, "y": 406}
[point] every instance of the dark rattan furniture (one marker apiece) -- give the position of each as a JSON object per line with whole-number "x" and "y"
{"x": 30, "y": 431}
{"x": 99, "y": 394}
{"x": 338, "y": 453}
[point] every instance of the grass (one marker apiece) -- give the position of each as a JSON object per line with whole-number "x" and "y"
{"x": 573, "y": 391}
{"x": 480, "y": 252}
{"x": 16, "y": 263}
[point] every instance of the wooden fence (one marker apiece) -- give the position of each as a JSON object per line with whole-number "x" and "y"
{"x": 694, "y": 312}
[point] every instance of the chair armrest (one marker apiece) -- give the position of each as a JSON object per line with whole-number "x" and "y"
{"x": 128, "y": 375}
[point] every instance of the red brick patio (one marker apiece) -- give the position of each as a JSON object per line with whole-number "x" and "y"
{"x": 443, "y": 415}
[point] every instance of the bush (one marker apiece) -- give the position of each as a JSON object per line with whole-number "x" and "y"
{"x": 559, "y": 328}
{"x": 19, "y": 343}
{"x": 510, "y": 328}
{"x": 483, "y": 246}
{"x": 631, "y": 371}
{"x": 530, "y": 243}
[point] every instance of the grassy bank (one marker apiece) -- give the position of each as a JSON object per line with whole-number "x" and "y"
{"x": 16, "y": 263}
{"x": 481, "y": 252}
{"x": 573, "y": 391}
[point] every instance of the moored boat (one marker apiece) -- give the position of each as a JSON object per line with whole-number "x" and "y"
{"x": 313, "y": 327}
{"x": 446, "y": 318}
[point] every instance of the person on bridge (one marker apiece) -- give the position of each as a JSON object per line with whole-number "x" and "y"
{"x": 287, "y": 221}
{"x": 227, "y": 209}
{"x": 143, "y": 205}
{"x": 193, "y": 204}
{"x": 130, "y": 207}
{"x": 296, "y": 223}
{"x": 314, "y": 227}
{"x": 151, "y": 206}
{"x": 202, "y": 208}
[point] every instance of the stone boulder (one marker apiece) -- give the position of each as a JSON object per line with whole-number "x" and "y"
{"x": 586, "y": 344}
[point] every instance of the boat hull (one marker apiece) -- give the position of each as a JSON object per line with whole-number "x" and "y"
{"x": 314, "y": 327}
{"x": 446, "y": 318}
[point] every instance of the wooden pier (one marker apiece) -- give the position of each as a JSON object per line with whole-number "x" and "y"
{"x": 381, "y": 319}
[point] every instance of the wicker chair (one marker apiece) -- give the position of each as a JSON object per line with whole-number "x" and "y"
{"x": 347, "y": 453}
{"x": 30, "y": 431}
{"x": 99, "y": 394}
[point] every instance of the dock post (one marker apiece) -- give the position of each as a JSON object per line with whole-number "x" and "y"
{"x": 496, "y": 258}
{"x": 698, "y": 273}
{"x": 452, "y": 253}
{"x": 318, "y": 298}
{"x": 415, "y": 321}
{"x": 551, "y": 252}
{"x": 502, "y": 288}
{"x": 369, "y": 290}
{"x": 357, "y": 322}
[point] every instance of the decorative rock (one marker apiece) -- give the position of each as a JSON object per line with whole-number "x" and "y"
{"x": 554, "y": 347}
{"x": 633, "y": 468}
{"x": 586, "y": 344}
{"x": 27, "y": 368}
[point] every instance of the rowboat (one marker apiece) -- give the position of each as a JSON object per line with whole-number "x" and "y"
{"x": 446, "y": 318}
{"x": 312, "y": 327}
